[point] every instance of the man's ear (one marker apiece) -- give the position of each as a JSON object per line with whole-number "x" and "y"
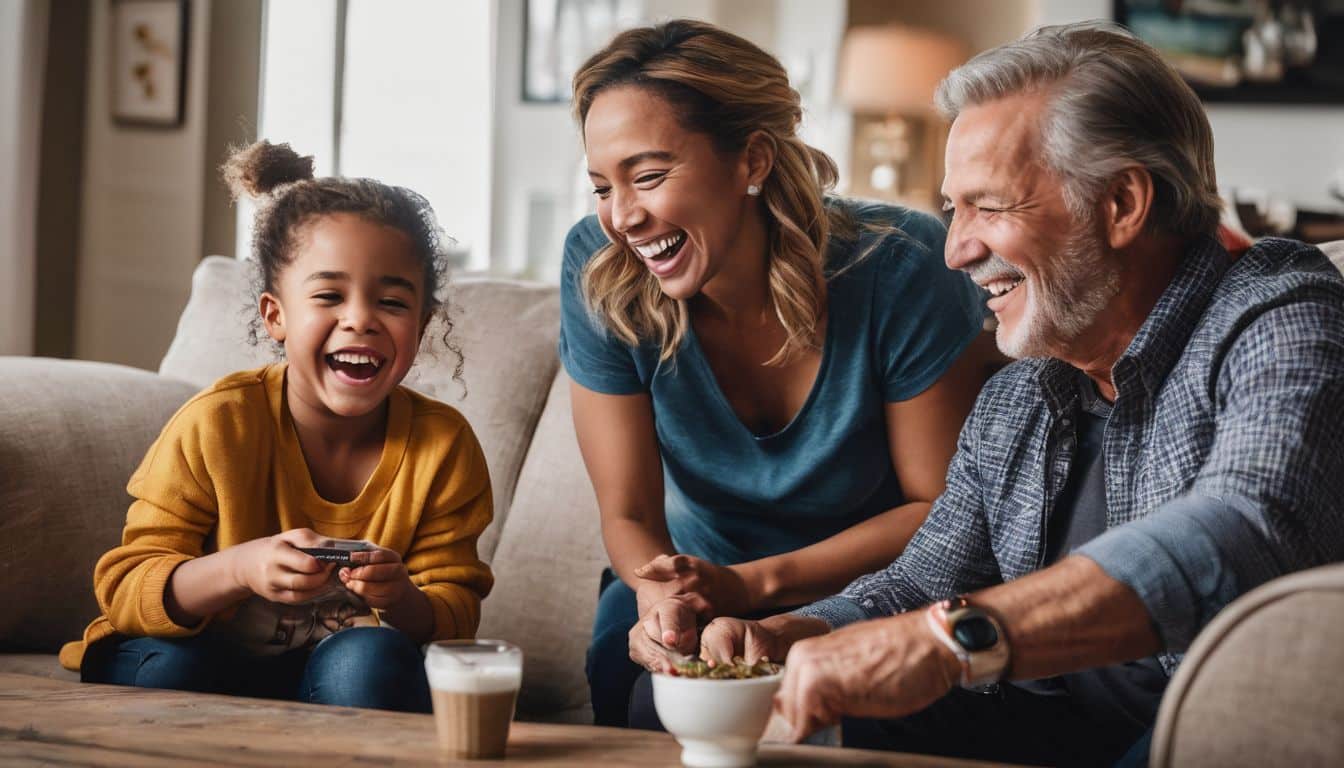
{"x": 1126, "y": 206}
{"x": 272, "y": 316}
{"x": 758, "y": 158}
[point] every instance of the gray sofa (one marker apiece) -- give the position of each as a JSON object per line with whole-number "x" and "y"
{"x": 1258, "y": 688}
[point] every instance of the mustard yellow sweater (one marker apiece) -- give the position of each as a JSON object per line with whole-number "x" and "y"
{"x": 228, "y": 469}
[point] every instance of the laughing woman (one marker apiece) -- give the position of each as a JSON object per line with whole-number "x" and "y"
{"x": 768, "y": 382}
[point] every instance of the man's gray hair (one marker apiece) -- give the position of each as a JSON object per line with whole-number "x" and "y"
{"x": 1114, "y": 104}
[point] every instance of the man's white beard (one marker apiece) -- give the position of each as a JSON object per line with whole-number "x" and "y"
{"x": 1064, "y": 299}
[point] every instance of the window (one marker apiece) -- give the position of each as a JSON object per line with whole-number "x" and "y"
{"x": 397, "y": 90}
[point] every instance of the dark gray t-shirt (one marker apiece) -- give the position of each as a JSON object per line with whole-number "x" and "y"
{"x": 1128, "y": 693}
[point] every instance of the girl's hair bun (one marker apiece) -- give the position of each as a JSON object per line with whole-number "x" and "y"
{"x": 258, "y": 169}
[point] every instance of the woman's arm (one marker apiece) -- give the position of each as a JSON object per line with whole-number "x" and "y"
{"x": 620, "y": 450}
{"x": 922, "y": 433}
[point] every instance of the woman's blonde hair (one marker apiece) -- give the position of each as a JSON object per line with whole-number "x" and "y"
{"x": 727, "y": 88}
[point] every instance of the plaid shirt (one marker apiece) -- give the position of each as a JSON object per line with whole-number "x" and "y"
{"x": 1224, "y": 453}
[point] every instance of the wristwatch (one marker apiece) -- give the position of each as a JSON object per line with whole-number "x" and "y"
{"x": 975, "y": 636}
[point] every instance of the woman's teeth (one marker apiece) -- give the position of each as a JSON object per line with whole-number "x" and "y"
{"x": 660, "y": 248}
{"x": 998, "y": 288}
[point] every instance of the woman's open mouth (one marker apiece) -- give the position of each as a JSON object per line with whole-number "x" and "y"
{"x": 660, "y": 255}
{"x": 355, "y": 366}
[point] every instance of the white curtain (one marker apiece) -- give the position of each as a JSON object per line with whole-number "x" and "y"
{"x": 23, "y": 38}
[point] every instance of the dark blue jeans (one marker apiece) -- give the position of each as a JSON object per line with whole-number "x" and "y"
{"x": 1008, "y": 725}
{"x": 611, "y": 673}
{"x": 372, "y": 667}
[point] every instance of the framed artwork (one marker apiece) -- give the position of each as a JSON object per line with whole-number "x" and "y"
{"x": 559, "y": 35}
{"x": 149, "y": 62}
{"x": 1250, "y": 51}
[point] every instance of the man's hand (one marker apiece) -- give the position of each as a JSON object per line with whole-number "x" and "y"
{"x": 379, "y": 576}
{"x": 711, "y": 590}
{"x": 272, "y": 567}
{"x": 670, "y": 623}
{"x": 883, "y": 668}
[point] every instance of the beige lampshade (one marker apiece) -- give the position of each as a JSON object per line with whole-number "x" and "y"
{"x": 894, "y": 69}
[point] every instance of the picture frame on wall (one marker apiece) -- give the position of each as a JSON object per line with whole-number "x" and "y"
{"x": 149, "y": 62}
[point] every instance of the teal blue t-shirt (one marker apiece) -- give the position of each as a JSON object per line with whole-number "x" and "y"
{"x": 896, "y": 320}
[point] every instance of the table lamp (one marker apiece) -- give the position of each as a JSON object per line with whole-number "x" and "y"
{"x": 890, "y": 72}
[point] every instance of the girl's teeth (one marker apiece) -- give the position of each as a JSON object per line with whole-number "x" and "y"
{"x": 353, "y": 359}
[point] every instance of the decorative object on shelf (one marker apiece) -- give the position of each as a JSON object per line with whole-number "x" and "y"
{"x": 887, "y": 76}
{"x": 560, "y": 34}
{"x": 1285, "y": 51}
{"x": 149, "y": 62}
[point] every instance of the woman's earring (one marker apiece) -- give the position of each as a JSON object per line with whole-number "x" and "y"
{"x": 753, "y": 190}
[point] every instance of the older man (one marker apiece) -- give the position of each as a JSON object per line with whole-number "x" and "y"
{"x": 1169, "y": 439}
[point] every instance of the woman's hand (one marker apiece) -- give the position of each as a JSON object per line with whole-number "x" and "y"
{"x": 709, "y": 590}
{"x": 727, "y": 638}
{"x": 379, "y": 576}
{"x": 669, "y": 623}
{"x": 273, "y": 568}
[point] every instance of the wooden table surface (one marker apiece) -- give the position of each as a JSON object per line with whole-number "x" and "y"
{"x": 55, "y": 722}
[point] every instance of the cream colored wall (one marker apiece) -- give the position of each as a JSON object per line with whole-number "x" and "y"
{"x": 151, "y": 209}
{"x": 142, "y": 219}
{"x": 23, "y": 27}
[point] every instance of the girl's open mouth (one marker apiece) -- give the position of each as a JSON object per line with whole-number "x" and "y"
{"x": 354, "y": 367}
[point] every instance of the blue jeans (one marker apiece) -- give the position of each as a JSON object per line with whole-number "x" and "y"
{"x": 371, "y": 667}
{"x": 611, "y": 673}
{"x": 1010, "y": 725}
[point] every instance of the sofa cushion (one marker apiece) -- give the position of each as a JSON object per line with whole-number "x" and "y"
{"x": 547, "y": 570}
{"x": 507, "y": 331}
{"x": 71, "y": 433}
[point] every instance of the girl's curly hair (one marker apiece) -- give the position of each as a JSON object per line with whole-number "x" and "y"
{"x": 289, "y": 198}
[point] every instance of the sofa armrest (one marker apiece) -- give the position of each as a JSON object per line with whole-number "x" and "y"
{"x": 1258, "y": 686}
{"x": 71, "y": 433}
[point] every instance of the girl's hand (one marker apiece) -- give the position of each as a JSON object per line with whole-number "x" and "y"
{"x": 378, "y": 576}
{"x": 272, "y": 567}
{"x": 710, "y": 590}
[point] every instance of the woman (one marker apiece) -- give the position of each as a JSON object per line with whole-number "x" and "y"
{"x": 768, "y": 384}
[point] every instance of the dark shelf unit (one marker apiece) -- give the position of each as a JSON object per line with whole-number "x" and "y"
{"x": 1322, "y": 83}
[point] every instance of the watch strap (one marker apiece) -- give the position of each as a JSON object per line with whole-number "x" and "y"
{"x": 979, "y": 668}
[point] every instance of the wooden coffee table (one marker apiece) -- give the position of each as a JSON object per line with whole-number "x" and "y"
{"x": 56, "y": 722}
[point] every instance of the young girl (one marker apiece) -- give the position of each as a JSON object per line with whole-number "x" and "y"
{"x": 210, "y": 589}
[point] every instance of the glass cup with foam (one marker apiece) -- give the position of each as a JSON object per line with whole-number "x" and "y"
{"x": 474, "y": 685}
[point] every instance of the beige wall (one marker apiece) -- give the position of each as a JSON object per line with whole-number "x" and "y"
{"x": 146, "y": 192}
{"x": 22, "y": 35}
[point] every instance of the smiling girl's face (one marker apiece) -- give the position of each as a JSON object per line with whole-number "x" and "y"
{"x": 350, "y": 310}
{"x": 665, "y": 192}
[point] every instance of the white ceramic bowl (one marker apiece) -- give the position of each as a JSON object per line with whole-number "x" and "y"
{"x": 717, "y": 722}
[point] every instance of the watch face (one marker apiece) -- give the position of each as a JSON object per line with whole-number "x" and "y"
{"x": 975, "y": 633}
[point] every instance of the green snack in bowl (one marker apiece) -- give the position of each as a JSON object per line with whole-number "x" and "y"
{"x": 739, "y": 669}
